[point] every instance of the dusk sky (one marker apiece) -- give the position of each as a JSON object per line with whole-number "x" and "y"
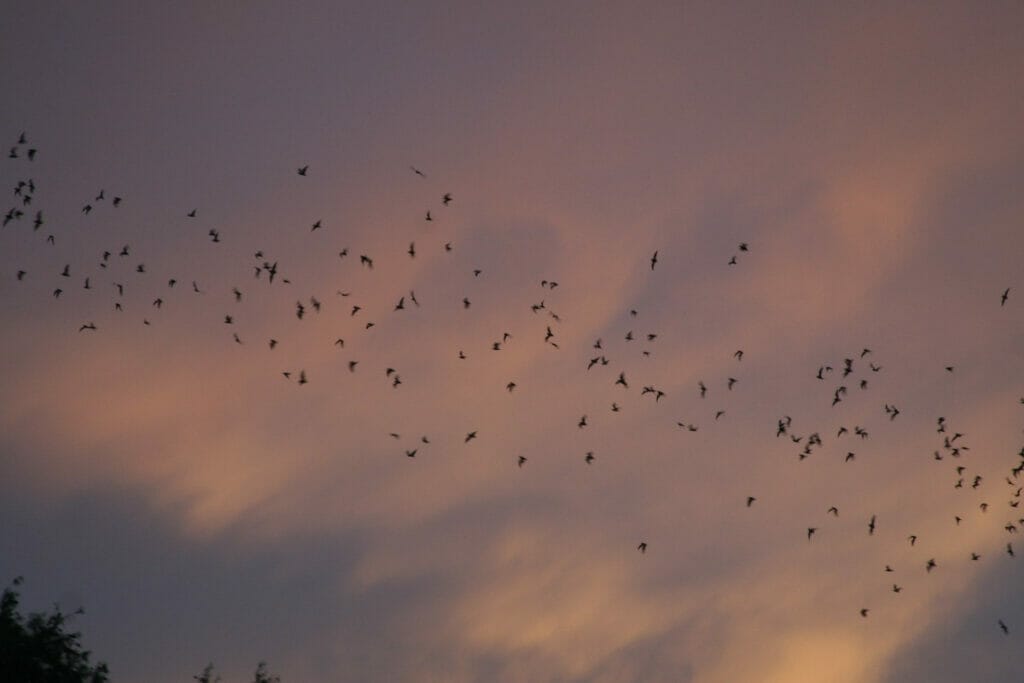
{"x": 162, "y": 472}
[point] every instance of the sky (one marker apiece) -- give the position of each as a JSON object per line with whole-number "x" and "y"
{"x": 201, "y": 506}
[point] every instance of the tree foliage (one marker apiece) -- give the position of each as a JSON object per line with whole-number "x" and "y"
{"x": 39, "y": 648}
{"x": 208, "y": 675}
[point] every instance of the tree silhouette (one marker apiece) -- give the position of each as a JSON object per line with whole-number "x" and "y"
{"x": 208, "y": 675}
{"x": 39, "y": 649}
{"x": 262, "y": 676}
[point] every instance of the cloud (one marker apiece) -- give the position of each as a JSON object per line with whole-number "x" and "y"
{"x": 224, "y": 512}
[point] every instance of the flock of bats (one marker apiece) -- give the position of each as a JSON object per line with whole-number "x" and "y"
{"x": 854, "y": 373}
